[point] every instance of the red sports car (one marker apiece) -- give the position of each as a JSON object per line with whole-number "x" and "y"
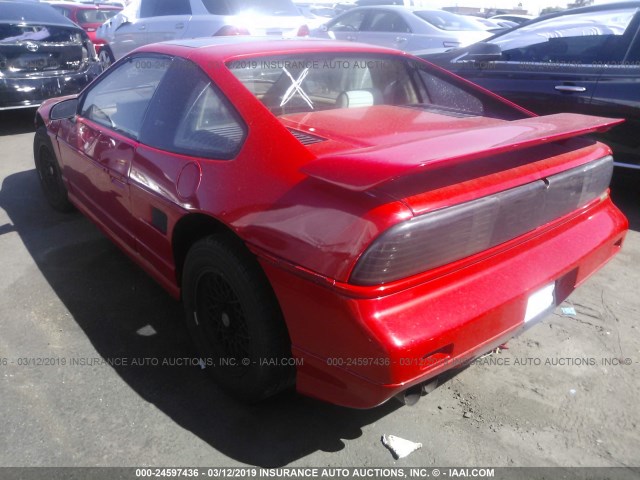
{"x": 344, "y": 217}
{"x": 88, "y": 16}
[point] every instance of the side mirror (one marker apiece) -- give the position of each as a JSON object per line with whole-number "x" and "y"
{"x": 64, "y": 109}
{"x": 483, "y": 52}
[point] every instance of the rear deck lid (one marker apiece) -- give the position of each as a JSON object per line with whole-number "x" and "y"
{"x": 383, "y": 158}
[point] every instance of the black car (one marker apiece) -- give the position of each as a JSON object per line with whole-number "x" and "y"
{"x": 584, "y": 60}
{"x": 42, "y": 55}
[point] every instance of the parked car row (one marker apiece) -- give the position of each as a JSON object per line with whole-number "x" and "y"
{"x": 404, "y": 28}
{"x": 409, "y": 29}
{"x": 114, "y": 31}
{"x": 581, "y": 60}
{"x": 149, "y": 21}
{"x": 89, "y": 16}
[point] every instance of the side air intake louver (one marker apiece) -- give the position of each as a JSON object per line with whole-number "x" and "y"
{"x": 306, "y": 138}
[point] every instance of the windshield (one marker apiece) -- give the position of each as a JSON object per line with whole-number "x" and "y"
{"x": 580, "y": 37}
{"x": 447, "y": 21}
{"x": 262, "y": 7}
{"x": 323, "y": 81}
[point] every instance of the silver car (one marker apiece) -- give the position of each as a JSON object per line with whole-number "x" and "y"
{"x": 409, "y": 29}
{"x": 150, "y": 21}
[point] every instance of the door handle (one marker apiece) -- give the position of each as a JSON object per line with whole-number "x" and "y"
{"x": 142, "y": 27}
{"x": 179, "y": 26}
{"x": 400, "y": 39}
{"x": 350, "y": 38}
{"x": 570, "y": 88}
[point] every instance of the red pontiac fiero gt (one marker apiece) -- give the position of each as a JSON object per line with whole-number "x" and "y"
{"x": 341, "y": 216}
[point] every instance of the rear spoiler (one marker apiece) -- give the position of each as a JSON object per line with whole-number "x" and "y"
{"x": 366, "y": 168}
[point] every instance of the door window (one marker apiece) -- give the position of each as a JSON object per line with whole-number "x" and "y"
{"x": 61, "y": 10}
{"x": 387, "y": 22}
{"x": 447, "y": 21}
{"x": 586, "y": 38}
{"x": 160, "y": 8}
{"x": 120, "y": 99}
{"x": 350, "y": 22}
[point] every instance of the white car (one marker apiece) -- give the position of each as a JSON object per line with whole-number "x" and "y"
{"x": 411, "y": 29}
{"x": 150, "y": 21}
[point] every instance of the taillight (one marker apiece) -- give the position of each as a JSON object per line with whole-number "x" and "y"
{"x": 229, "y": 30}
{"x": 304, "y": 31}
{"x": 453, "y": 233}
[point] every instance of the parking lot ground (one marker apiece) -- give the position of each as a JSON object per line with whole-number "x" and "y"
{"x": 565, "y": 393}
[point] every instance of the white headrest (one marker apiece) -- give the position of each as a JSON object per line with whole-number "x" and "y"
{"x": 355, "y": 98}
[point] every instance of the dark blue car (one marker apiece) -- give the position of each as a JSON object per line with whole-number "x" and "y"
{"x": 584, "y": 60}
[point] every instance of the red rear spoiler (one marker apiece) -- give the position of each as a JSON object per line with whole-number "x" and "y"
{"x": 369, "y": 167}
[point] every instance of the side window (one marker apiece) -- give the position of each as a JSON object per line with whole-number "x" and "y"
{"x": 217, "y": 7}
{"x": 443, "y": 94}
{"x": 146, "y": 8}
{"x": 61, "y": 11}
{"x": 349, "y": 23}
{"x": 446, "y": 95}
{"x": 120, "y": 98}
{"x": 190, "y": 116}
{"x": 160, "y": 8}
{"x": 584, "y": 38}
{"x": 388, "y": 22}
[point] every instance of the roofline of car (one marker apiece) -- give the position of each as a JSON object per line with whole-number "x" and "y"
{"x": 571, "y": 11}
{"x": 276, "y": 46}
{"x": 85, "y": 6}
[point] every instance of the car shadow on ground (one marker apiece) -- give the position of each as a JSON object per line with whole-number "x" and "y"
{"x": 125, "y": 314}
{"x": 14, "y": 122}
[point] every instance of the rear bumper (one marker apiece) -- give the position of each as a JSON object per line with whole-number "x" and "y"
{"x": 359, "y": 351}
{"x": 25, "y": 92}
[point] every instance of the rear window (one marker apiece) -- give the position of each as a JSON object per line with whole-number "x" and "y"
{"x": 322, "y": 81}
{"x": 31, "y": 13}
{"x": 447, "y": 21}
{"x": 35, "y": 33}
{"x": 95, "y": 16}
{"x": 262, "y": 7}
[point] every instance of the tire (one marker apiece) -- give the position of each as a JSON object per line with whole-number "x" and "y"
{"x": 49, "y": 173}
{"x": 235, "y": 321}
{"x": 106, "y": 57}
